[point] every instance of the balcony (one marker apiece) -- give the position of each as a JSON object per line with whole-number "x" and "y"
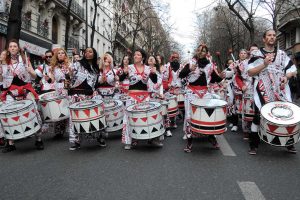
{"x": 43, "y": 28}
{"x": 26, "y": 21}
{"x": 75, "y": 7}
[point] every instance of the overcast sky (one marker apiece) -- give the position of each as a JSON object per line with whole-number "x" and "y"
{"x": 183, "y": 16}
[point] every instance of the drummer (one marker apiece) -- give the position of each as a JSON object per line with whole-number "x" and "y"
{"x": 107, "y": 77}
{"x": 199, "y": 73}
{"x": 269, "y": 85}
{"x": 138, "y": 75}
{"x": 83, "y": 77}
{"x": 3, "y": 57}
{"x": 16, "y": 77}
{"x": 124, "y": 85}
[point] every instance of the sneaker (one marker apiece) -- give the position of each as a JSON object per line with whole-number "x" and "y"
{"x": 75, "y": 147}
{"x": 39, "y": 145}
{"x": 9, "y": 148}
{"x": 157, "y": 143}
{"x": 216, "y": 145}
{"x": 187, "y": 150}
{"x": 252, "y": 151}
{"x": 101, "y": 142}
{"x": 127, "y": 147}
{"x": 168, "y": 133}
{"x": 234, "y": 129}
{"x": 184, "y": 137}
{"x": 230, "y": 125}
{"x": 246, "y": 136}
{"x": 291, "y": 149}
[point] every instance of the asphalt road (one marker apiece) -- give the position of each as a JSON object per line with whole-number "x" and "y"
{"x": 148, "y": 172}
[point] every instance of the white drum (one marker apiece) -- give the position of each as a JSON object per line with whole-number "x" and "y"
{"x": 164, "y": 105}
{"x": 145, "y": 120}
{"x": 114, "y": 114}
{"x": 208, "y": 116}
{"x": 124, "y": 98}
{"x": 88, "y": 116}
{"x": 19, "y": 119}
{"x": 280, "y": 123}
{"x": 172, "y": 106}
{"x": 54, "y": 108}
{"x": 248, "y": 107}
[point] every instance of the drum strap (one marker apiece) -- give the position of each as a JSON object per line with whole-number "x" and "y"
{"x": 139, "y": 96}
{"x": 22, "y": 91}
{"x": 196, "y": 89}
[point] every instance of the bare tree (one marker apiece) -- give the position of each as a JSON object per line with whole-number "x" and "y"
{"x": 14, "y": 20}
{"x": 97, "y": 4}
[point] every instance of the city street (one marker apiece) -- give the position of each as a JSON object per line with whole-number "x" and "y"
{"x": 148, "y": 172}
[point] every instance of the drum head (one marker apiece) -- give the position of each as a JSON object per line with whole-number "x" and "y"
{"x": 49, "y": 96}
{"x": 109, "y": 104}
{"x": 123, "y": 97}
{"x": 209, "y": 103}
{"x": 15, "y": 106}
{"x": 142, "y": 107}
{"x": 278, "y": 112}
{"x": 86, "y": 104}
{"x": 170, "y": 96}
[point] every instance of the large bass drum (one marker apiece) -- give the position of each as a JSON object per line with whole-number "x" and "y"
{"x": 54, "y": 108}
{"x": 19, "y": 119}
{"x": 88, "y": 116}
{"x": 208, "y": 116}
{"x": 145, "y": 120}
{"x": 279, "y": 123}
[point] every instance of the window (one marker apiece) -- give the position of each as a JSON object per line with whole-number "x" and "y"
{"x": 288, "y": 40}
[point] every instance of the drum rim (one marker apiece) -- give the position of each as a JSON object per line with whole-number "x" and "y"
{"x": 71, "y": 107}
{"x": 143, "y": 111}
{"x": 15, "y": 111}
{"x": 278, "y": 102}
{"x": 120, "y": 104}
{"x": 49, "y": 100}
{"x": 219, "y": 106}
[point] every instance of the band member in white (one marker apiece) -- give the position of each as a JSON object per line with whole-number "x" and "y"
{"x": 199, "y": 72}
{"x": 138, "y": 75}
{"x": 16, "y": 77}
{"x": 3, "y": 64}
{"x": 271, "y": 69}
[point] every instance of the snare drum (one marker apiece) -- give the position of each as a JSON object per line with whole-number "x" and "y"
{"x": 180, "y": 99}
{"x": 54, "y": 108}
{"x": 145, "y": 120}
{"x": 248, "y": 107}
{"x": 164, "y": 105}
{"x": 19, "y": 119}
{"x": 114, "y": 114}
{"x": 172, "y": 105}
{"x": 88, "y": 116}
{"x": 279, "y": 123}
{"x": 208, "y": 116}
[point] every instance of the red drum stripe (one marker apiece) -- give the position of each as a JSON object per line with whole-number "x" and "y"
{"x": 205, "y": 132}
{"x": 208, "y": 123}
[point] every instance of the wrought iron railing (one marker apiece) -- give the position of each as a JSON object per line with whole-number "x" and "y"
{"x": 43, "y": 28}
{"x": 26, "y": 21}
{"x": 75, "y": 7}
{"x": 73, "y": 43}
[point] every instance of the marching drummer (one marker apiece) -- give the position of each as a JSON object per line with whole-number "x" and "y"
{"x": 138, "y": 75}
{"x": 271, "y": 69}
{"x": 3, "y": 57}
{"x": 199, "y": 73}
{"x": 107, "y": 77}
{"x": 81, "y": 79}
{"x": 124, "y": 85}
{"x": 16, "y": 77}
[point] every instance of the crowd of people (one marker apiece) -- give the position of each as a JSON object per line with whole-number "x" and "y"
{"x": 258, "y": 76}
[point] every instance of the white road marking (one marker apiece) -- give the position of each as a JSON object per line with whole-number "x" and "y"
{"x": 251, "y": 191}
{"x": 224, "y": 146}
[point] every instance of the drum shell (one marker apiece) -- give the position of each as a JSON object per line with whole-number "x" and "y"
{"x": 208, "y": 120}
{"x": 54, "y": 109}
{"x": 88, "y": 119}
{"x": 114, "y": 115}
{"x": 20, "y": 123}
{"x": 248, "y": 108}
{"x": 172, "y": 105}
{"x": 145, "y": 124}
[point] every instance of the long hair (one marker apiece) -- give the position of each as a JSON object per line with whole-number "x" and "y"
{"x": 54, "y": 60}
{"x": 156, "y": 63}
{"x": 85, "y": 63}
{"x": 122, "y": 63}
{"x": 162, "y": 59}
{"x": 104, "y": 57}
{"x": 4, "y": 60}
{"x": 144, "y": 56}
{"x": 21, "y": 52}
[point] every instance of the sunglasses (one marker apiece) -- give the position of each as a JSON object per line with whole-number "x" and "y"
{"x": 48, "y": 56}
